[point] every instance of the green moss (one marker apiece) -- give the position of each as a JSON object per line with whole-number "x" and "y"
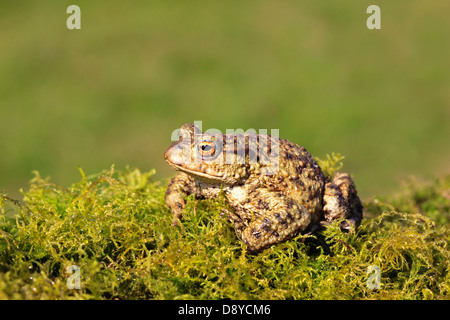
{"x": 332, "y": 164}
{"x": 115, "y": 227}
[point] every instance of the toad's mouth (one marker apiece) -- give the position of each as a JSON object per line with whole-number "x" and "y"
{"x": 200, "y": 170}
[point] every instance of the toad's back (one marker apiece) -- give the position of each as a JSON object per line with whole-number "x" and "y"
{"x": 299, "y": 176}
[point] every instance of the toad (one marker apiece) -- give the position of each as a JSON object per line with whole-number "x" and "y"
{"x": 275, "y": 188}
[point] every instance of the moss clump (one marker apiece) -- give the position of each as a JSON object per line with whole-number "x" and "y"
{"x": 115, "y": 228}
{"x": 332, "y": 164}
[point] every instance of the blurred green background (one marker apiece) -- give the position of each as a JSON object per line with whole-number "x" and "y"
{"x": 113, "y": 92}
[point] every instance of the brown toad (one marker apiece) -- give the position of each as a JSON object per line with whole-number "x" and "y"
{"x": 275, "y": 188}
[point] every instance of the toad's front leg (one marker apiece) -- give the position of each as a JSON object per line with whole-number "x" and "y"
{"x": 179, "y": 187}
{"x": 183, "y": 185}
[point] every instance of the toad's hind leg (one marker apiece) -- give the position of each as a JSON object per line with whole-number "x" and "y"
{"x": 341, "y": 201}
{"x": 281, "y": 220}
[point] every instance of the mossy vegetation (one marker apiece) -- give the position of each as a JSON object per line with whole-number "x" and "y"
{"x": 115, "y": 227}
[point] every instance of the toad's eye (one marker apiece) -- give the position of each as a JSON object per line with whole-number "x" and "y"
{"x": 206, "y": 148}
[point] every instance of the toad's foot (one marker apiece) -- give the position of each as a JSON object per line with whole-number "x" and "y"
{"x": 341, "y": 201}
